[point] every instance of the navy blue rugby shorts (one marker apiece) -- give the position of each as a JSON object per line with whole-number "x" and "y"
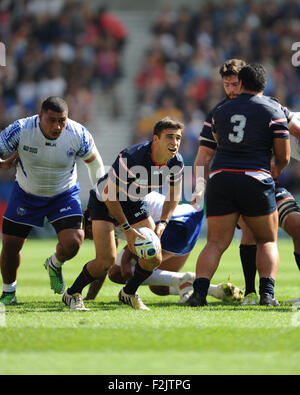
{"x": 134, "y": 212}
{"x": 228, "y": 193}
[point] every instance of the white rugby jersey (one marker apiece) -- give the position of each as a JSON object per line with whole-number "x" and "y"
{"x": 46, "y": 167}
{"x": 155, "y": 202}
{"x": 295, "y": 143}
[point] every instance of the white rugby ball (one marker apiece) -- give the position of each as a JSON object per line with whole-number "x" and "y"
{"x": 148, "y": 248}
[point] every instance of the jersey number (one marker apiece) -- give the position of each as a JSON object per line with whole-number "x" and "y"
{"x": 239, "y": 122}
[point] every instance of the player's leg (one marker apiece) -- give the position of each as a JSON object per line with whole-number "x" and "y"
{"x": 289, "y": 218}
{"x": 13, "y": 239}
{"x": 143, "y": 269}
{"x": 248, "y": 260}
{"x": 264, "y": 229}
{"x": 220, "y": 231}
{"x": 289, "y": 221}
{"x": 259, "y": 210}
{"x": 105, "y": 245}
{"x": 222, "y": 217}
{"x": 70, "y": 235}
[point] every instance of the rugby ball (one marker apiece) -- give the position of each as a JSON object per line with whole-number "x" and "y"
{"x": 148, "y": 248}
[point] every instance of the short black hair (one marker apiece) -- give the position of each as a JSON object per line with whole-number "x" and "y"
{"x": 167, "y": 123}
{"x": 54, "y": 103}
{"x": 253, "y": 77}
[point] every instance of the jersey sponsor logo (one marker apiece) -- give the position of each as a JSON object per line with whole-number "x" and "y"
{"x": 21, "y": 211}
{"x": 62, "y": 210}
{"x": 70, "y": 152}
{"x": 33, "y": 150}
{"x": 48, "y": 144}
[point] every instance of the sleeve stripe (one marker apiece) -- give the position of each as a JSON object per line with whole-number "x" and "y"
{"x": 276, "y": 121}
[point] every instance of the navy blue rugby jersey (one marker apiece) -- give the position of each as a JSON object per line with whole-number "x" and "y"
{"x": 206, "y": 138}
{"x": 136, "y": 173}
{"x": 245, "y": 129}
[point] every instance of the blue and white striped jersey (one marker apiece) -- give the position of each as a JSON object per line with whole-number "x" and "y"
{"x": 46, "y": 167}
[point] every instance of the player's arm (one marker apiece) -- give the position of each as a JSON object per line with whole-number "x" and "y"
{"x": 10, "y": 162}
{"x": 201, "y": 169}
{"x": 112, "y": 203}
{"x": 9, "y": 144}
{"x": 281, "y": 149}
{"x": 172, "y": 199}
{"x": 95, "y": 164}
{"x": 294, "y": 125}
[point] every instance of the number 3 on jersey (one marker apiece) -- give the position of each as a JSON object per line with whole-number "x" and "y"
{"x": 239, "y": 122}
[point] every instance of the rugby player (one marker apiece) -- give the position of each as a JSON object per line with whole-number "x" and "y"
{"x": 288, "y": 208}
{"x": 240, "y": 182}
{"x": 46, "y": 186}
{"x": 118, "y": 200}
{"x": 177, "y": 241}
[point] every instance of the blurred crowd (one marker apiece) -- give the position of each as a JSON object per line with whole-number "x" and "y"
{"x": 57, "y": 47}
{"x": 179, "y": 74}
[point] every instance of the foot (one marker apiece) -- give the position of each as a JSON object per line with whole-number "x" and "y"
{"x": 227, "y": 292}
{"x": 251, "y": 299}
{"x": 8, "y": 298}
{"x": 267, "y": 300}
{"x": 57, "y": 282}
{"x": 75, "y": 301}
{"x": 185, "y": 287}
{"x": 132, "y": 300}
{"x": 196, "y": 300}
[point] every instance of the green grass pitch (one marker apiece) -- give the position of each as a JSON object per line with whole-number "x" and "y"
{"x": 41, "y": 336}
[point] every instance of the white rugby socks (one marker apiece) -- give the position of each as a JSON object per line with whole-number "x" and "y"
{"x": 10, "y": 288}
{"x": 54, "y": 262}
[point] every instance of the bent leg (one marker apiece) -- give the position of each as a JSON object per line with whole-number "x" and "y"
{"x": 69, "y": 242}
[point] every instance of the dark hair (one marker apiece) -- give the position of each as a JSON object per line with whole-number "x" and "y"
{"x": 231, "y": 67}
{"x": 54, "y": 103}
{"x": 166, "y": 123}
{"x": 253, "y": 77}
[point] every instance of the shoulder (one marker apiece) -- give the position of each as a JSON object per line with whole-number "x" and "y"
{"x": 137, "y": 150}
{"x": 75, "y": 127}
{"x": 19, "y": 125}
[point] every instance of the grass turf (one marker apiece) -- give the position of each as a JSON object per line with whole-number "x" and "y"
{"x": 40, "y": 335}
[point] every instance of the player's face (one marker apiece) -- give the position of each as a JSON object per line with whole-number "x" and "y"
{"x": 232, "y": 86}
{"x": 53, "y": 123}
{"x": 169, "y": 142}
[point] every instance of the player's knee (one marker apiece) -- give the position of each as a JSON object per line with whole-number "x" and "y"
{"x": 114, "y": 274}
{"x": 159, "y": 290}
{"x": 106, "y": 262}
{"x": 72, "y": 247}
{"x": 218, "y": 245}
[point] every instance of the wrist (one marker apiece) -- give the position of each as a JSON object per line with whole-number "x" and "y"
{"x": 163, "y": 221}
{"x": 125, "y": 227}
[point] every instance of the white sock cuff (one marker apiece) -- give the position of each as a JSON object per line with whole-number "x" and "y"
{"x": 9, "y": 287}
{"x": 55, "y": 262}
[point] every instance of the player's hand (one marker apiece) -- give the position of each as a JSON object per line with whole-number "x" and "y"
{"x": 9, "y": 162}
{"x": 275, "y": 172}
{"x": 199, "y": 192}
{"x": 159, "y": 229}
{"x": 131, "y": 234}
